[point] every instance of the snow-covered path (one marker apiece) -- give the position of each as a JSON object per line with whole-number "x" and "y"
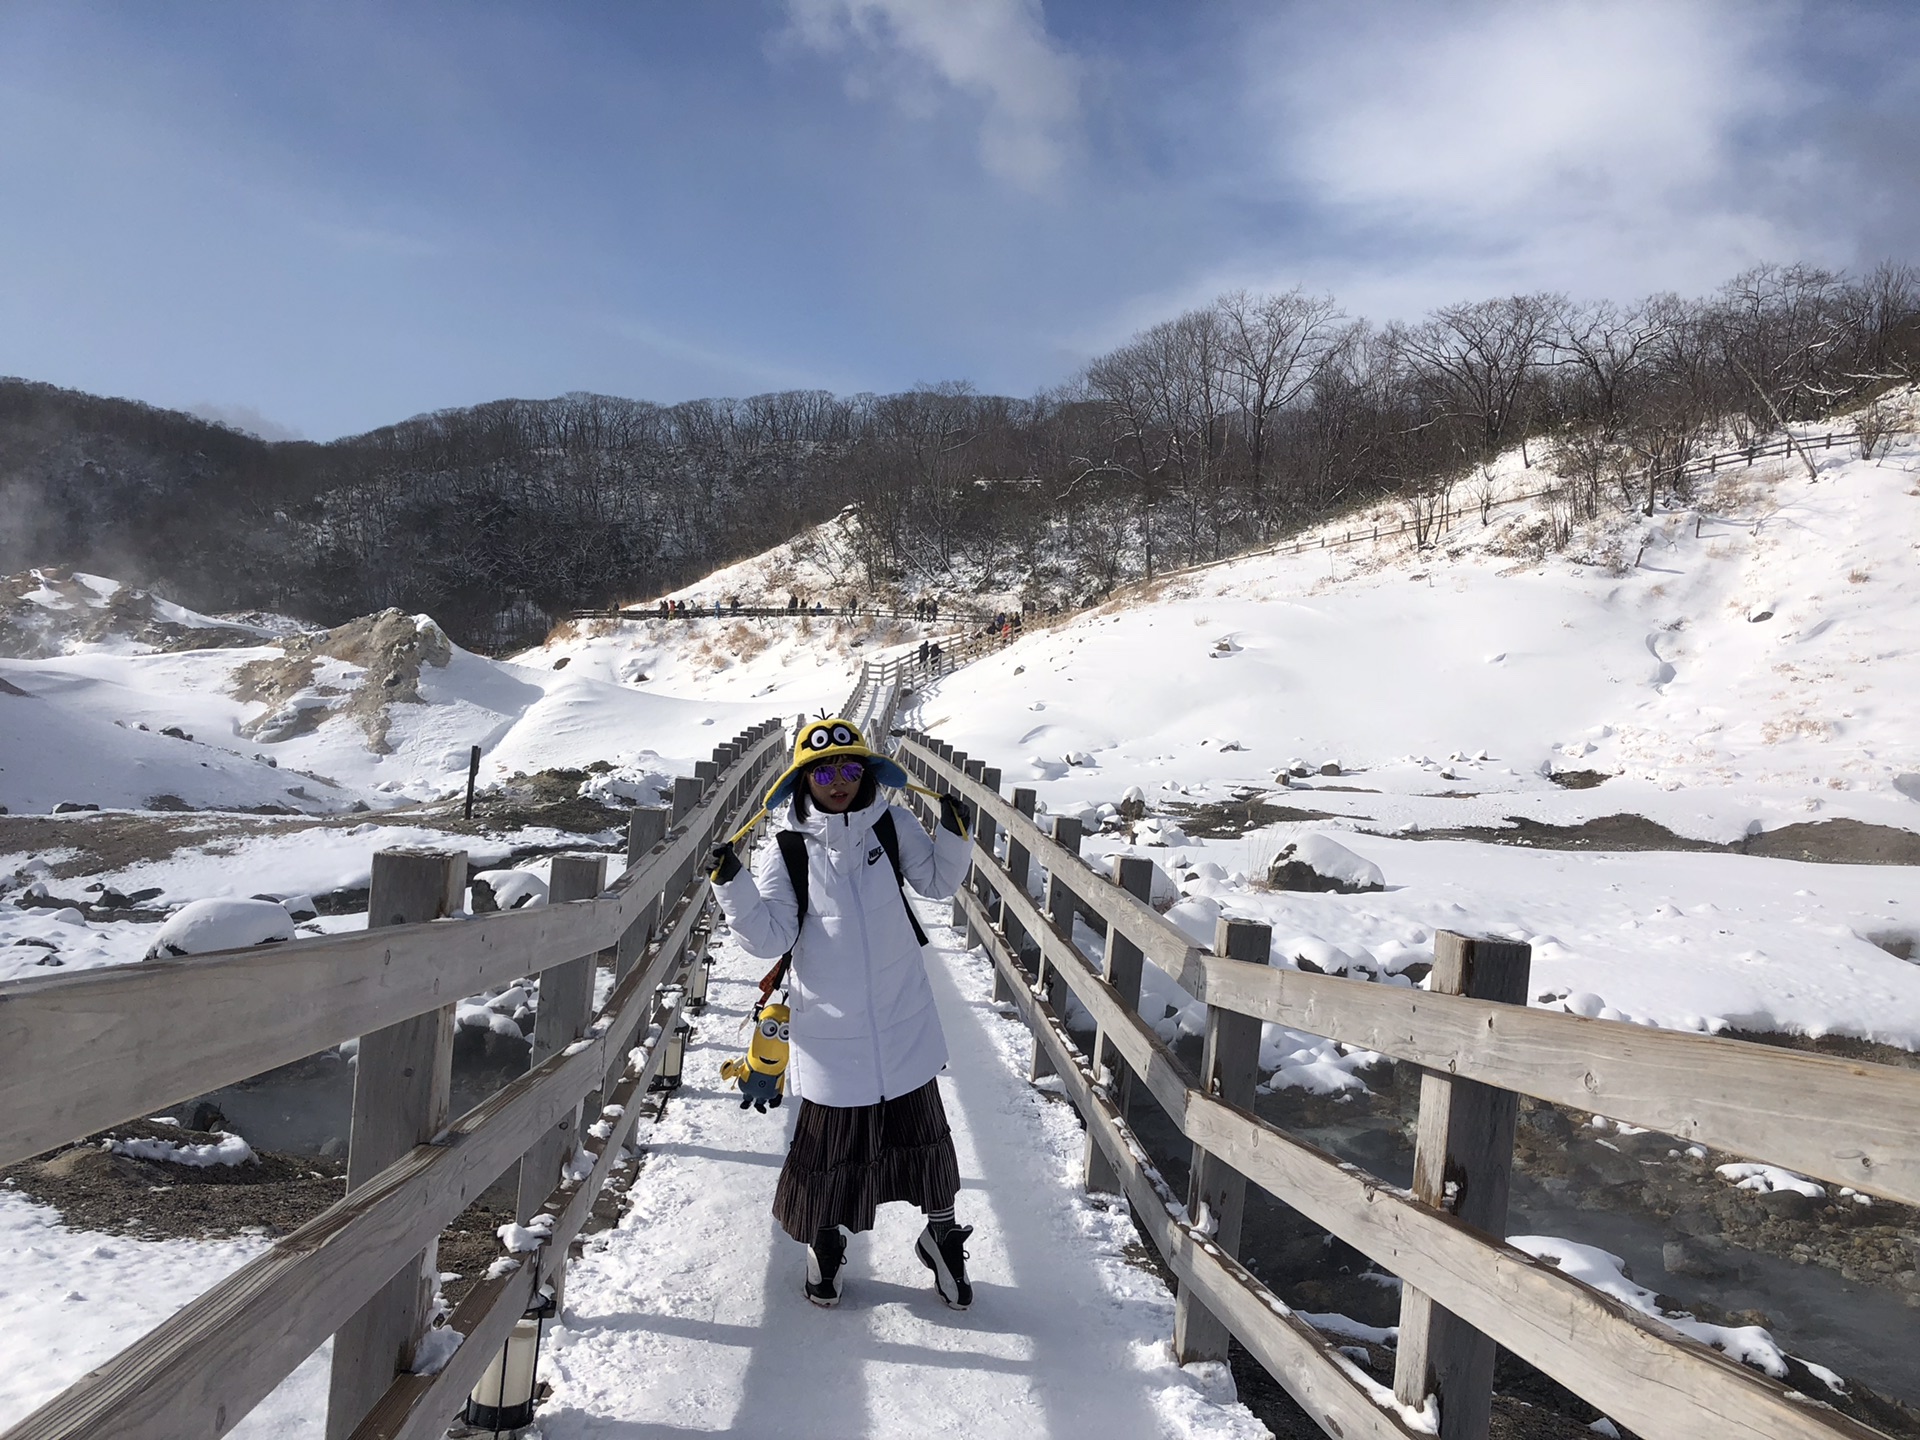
{"x": 689, "y": 1318}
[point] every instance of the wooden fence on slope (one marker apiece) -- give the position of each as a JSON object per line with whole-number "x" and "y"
{"x": 1478, "y": 1046}
{"x": 82, "y": 1053}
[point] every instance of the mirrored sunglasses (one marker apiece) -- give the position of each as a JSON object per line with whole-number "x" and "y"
{"x": 847, "y": 770}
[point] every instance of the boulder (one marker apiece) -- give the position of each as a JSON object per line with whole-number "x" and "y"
{"x": 202, "y": 926}
{"x": 1315, "y": 863}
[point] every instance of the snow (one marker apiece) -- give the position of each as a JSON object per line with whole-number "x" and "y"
{"x": 1396, "y": 694}
{"x": 513, "y": 889}
{"x": 689, "y": 1313}
{"x": 1331, "y": 860}
{"x": 1506, "y": 669}
{"x": 202, "y": 926}
{"x": 227, "y": 1150}
{"x": 1445, "y": 686}
{"x": 1768, "y": 1178}
{"x": 1606, "y": 1272}
{"x": 86, "y": 727}
{"x": 83, "y": 1296}
{"x": 435, "y": 1349}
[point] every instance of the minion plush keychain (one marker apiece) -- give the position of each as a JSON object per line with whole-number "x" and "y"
{"x": 762, "y": 1071}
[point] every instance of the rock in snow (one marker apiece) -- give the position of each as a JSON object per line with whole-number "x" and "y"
{"x": 1314, "y": 862}
{"x": 507, "y": 890}
{"x": 202, "y": 926}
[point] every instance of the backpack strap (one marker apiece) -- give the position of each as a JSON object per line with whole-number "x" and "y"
{"x": 889, "y": 839}
{"x": 793, "y": 854}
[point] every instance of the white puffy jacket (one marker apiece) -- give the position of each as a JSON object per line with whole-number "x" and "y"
{"x": 864, "y": 1027}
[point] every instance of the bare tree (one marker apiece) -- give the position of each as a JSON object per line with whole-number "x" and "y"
{"x": 1273, "y": 348}
{"x": 1480, "y": 357}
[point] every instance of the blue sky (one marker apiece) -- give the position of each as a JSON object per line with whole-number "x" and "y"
{"x": 317, "y": 218}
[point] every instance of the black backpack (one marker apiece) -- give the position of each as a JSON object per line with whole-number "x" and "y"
{"x": 793, "y": 853}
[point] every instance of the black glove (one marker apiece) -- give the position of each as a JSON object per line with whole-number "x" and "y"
{"x": 952, "y": 816}
{"x": 722, "y": 863}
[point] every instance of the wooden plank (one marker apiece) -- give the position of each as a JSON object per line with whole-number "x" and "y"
{"x": 976, "y": 772}
{"x": 403, "y": 1079}
{"x": 1462, "y": 1165}
{"x": 1216, "y": 1192}
{"x": 202, "y": 1369}
{"x": 1145, "y": 1053}
{"x": 646, "y": 830}
{"x": 212, "y": 1361}
{"x": 566, "y": 1004}
{"x": 1061, "y": 908}
{"x": 1159, "y": 941}
{"x": 319, "y": 1262}
{"x": 1304, "y": 1362}
{"x": 1596, "y": 1346}
{"x": 1845, "y": 1121}
{"x": 420, "y": 1407}
{"x": 1646, "y": 1376}
{"x": 1122, "y": 968}
{"x": 81, "y": 1054}
{"x": 1015, "y": 876}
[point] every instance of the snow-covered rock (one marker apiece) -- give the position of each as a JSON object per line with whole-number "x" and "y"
{"x": 507, "y": 890}
{"x": 1313, "y": 862}
{"x": 227, "y": 1150}
{"x": 203, "y": 926}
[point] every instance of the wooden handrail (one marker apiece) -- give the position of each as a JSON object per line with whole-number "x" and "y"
{"x": 82, "y": 1052}
{"x": 207, "y": 1365}
{"x": 1845, "y": 1121}
{"x": 1636, "y": 1368}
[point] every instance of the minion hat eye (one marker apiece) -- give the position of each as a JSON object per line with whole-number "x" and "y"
{"x": 831, "y": 739}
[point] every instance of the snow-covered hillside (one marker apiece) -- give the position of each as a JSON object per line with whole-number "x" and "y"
{"x": 1757, "y": 669}
{"x": 775, "y": 664}
{"x": 1759, "y": 665}
{"x": 378, "y": 712}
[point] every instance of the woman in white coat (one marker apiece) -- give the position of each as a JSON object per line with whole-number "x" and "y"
{"x": 865, "y": 1038}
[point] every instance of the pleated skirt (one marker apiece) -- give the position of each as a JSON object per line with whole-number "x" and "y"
{"x": 847, "y": 1161}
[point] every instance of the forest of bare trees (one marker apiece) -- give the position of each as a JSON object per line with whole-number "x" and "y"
{"x": 1211, "y": 432}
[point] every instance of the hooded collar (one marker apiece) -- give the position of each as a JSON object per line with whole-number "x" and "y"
{"x": 846, "y": 831}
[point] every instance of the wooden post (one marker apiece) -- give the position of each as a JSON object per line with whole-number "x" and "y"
{"x": 985, "y": 830}
{"x": 706, "y": 772}
{"x": 687, "y": 790}
{"x": 646, "y": 828}
{"x": 1061, "y": 907}
{"x": 401, "y": 1085}
{"x": 566, "y": 1005}
{"x": 1122, "y": 967}
{"x": 1019, "y": 862}
{"x": 974, "y": 769}
{"x": 1462, "y": 1164}
{"x": 1216, "y": 1192}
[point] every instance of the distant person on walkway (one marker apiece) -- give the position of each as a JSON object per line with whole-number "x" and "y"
{"x": 865, "y": 1038}
{"x": 924, "y": 647}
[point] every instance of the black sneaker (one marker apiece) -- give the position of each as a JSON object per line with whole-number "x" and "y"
{"x": 947, "y": 1259}
{"x": 824, "y": 1258}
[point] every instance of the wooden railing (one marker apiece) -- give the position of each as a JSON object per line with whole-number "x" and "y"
{"x": 876, "y": 692}
{"x": 83, "y": 1053}
{"x": 1464, "y": 1289}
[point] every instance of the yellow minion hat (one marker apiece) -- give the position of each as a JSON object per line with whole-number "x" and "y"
{"x": 822, "y": 741}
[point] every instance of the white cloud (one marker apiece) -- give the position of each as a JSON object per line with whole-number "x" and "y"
{"x": 1601, "y": 146}
{"x": 995, "y": 52}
